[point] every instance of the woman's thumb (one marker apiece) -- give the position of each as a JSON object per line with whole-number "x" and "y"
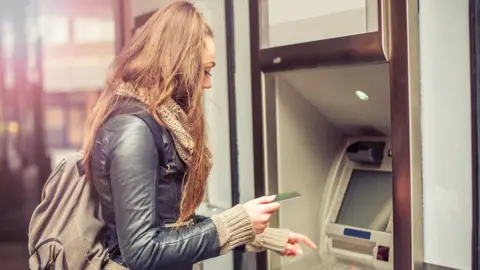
{"x": 264, "y": 199}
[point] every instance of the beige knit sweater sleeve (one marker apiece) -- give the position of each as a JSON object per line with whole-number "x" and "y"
{"x": 271, "y": 239}
{"x": 235, "y": 228}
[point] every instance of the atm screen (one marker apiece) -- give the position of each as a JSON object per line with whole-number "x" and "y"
{"x": 367, "y": 202}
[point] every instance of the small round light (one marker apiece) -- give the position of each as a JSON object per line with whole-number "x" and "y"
{"x": 361, "y": 95}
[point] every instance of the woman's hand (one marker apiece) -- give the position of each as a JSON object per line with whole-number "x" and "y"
{"x": 260, "y": 210}
{"x": 293, "y": 248}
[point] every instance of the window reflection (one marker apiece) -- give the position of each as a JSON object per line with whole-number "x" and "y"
{"x": 77, "y": 49}
{"x": 54, "y": 29}
{"x": 91, "y": 30}
{"x": 7, "y": 53}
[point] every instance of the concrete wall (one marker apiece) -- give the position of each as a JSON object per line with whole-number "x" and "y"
{"x": 446, "y": 132}
{"x": 306, "y": 150}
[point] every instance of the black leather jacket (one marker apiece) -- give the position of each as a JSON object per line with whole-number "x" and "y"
{"x": 140, "y": 190}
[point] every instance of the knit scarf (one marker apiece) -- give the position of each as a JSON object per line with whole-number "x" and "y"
{"x": 174, "y": 117}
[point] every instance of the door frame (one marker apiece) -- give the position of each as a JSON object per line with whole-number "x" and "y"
{"x": 405, "y": 111}
{"x": 474, "y": 20}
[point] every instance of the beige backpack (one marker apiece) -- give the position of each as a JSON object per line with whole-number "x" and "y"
{"x": 66, "y": 229}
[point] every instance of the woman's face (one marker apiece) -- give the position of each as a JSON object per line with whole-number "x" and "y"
{"x": 208, "y": 61}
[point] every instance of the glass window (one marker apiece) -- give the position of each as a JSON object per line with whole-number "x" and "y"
{"x": 77, "y": 118}
{"x": 54, "y": 117}
{"x": 287, "y": 22}
{"x": 76, "y": 69}
{"x": 54, "y": 29}
{"x": 92, "y": 30}
{"x": 7, "y": 47}
{"x": 7, "y": 40}
{"x": 54, "y": 125}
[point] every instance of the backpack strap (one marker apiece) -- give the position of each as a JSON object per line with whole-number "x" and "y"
{"x": 138, "y": 109}
{"x": 134, "y": 107}
{"x": 155, "y": 128}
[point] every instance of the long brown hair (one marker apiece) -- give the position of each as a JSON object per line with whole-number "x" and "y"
{"x": 164, "y": 57}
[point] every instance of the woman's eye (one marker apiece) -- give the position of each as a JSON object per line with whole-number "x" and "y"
{"x": 208, "y": 73}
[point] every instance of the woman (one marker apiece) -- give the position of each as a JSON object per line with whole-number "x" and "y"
{"x": 149, "y": 194}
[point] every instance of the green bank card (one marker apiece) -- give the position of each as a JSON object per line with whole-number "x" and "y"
{"x": 286, "y": 196}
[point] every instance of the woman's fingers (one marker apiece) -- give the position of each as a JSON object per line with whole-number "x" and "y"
{"x": 264, "y": 199}
{"x": 270, "y": 208}
{"x": 260, "y": 210}
{"x": 288, "y": 254}
{"x": 309, "y": 242}
{"x": 296, "y": 237}
{"x": 265, "y": 219}
{"x": 293, "y": 250}
{"x": 260, "y": 228}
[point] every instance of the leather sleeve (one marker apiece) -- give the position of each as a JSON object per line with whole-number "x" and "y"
{"x": 134, "y": 167}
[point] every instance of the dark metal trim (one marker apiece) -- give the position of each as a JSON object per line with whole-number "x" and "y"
{"x": 474, "y": 13}
{"x": 357, "y": 49}
{"x": 354, "y": 49}
{"x": 258, "y": 143}
{"x": 400, "y": 115}
{"x": 232, "y": 108}
{"x": 232, "y": 116}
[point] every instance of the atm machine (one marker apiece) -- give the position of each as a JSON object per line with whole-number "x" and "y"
{"x": 323, "y": 78}
{"x": 358, "y": 228}
{"x": 356, "y": 224}
{"x": 330, "y": 142}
